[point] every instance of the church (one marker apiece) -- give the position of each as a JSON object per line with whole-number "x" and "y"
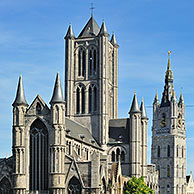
{"x": 78, "y": 145}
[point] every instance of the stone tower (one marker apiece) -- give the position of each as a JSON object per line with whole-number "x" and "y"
{"x": 19, "y": 147}
{"x": 91, "y": 78}
{"x": 168, "y": 138}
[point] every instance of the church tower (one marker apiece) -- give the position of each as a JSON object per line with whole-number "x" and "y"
{"x": 91, "y": 78}
{"x": 168, "y": 138}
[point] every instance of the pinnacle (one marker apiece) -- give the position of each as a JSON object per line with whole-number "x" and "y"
{"x": 57, "y": 93}
{"x": 70, "y": 33}
{"x": 134, "y": 106}
{"x": 20, "y": 96}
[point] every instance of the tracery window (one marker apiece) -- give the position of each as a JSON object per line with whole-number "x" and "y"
{"x": 38, "y": 156}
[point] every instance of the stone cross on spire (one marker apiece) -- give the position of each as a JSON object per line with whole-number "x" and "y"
{"x": 92, "y": 9}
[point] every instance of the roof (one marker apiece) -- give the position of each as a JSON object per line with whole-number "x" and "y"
{"x": 80, "y": 133}
{"x": 134, "y": 106}
{"x": 187, "y": 178}
{"x": 91, "y": 29}
{"x": 70, "y": 33}
{"x": 119, "y": 129}
{"x": 20, "y": 96}
{"x": 57, "y": 93}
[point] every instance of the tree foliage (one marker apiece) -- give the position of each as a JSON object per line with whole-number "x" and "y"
{"x": 137, "y": 186}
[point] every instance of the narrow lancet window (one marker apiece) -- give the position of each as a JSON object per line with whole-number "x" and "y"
{"x": 83, "y": 100}
{"x": 90, "y": 99}
{"x": 95, "y": 98}
{"x": 78, "y": 100}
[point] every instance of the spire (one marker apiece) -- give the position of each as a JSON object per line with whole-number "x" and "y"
{"x": 113, "y": 40}
{"x": 103, "y": 30}
{"x": 57, "y": 93}
{"x": 91, "y": 29}
{"x": 181, "y": 99}
{"x": 143, "y": 111}
{"x": 156, "y": 100}
{"x": 173, "y": 95}
{"x": 134, "y": 106}
{"x": 168, "y": 87}
{"x": 70, "y": 33}
{"x": 20, "y": 96}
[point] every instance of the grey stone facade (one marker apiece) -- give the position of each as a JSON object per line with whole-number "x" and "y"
{"x": 168, "y": 138}
{"x": 79, "y": 144}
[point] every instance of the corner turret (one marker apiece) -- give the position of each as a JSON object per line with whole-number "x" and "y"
{"x": 20, "y": 96}
{"x": 134, "y": 106}
{"x": 103, "y": 30}
{"x": 114, "y": 41}
{"x": 70, "y": 34}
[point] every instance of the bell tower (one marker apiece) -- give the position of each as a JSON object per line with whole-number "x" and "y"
{"x": 168, "y": 138}
{"x": 91, "y": 78}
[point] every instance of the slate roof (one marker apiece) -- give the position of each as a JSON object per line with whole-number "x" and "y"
{"x": 91, "y": 29}
{"x": 119, "y": 128}
{"x": 80, "y": 133}
{"x": 20, "y": 96}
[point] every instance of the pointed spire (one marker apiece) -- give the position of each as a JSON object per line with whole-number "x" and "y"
{"x": 181, "y": 99}
{"x": 114, "y": 41}
{"x": 57, "y": 93}
{"x": 20, "y": 96}
{"x": 91, "y": 29}
{"x": 156, "y": 100}
{"x": 70, "y": 33}
{"x": 134, "y": 106}
{"x": 143, "y": 111}
{"x": 103, "y": 30}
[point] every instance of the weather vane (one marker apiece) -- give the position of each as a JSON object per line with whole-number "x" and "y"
{"x": 92, "y": 9}
{"x": 169, "y": 53}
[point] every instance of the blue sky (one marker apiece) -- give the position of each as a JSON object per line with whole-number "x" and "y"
{"x": 32, "y": 44}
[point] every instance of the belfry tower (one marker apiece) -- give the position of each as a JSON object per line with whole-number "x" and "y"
{"x": 91, "y": 78}
{"x": 168, "y": 138}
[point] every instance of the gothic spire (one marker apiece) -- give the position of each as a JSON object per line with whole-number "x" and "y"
{"x": 57, "y": 93}
{"x": 20, "y": 96}
{"x": 103, "y": 30}
{"x": 181, "y": 100}
{"x": 91, "y": 29}
{"x": 168, "y": 87}
{"x": 156, "y": 100}
{"x": 143, "y": 110}
{"x": 70, "y": 33}
{"x": 134, "y": 106}
{"x": 113, "y": 40}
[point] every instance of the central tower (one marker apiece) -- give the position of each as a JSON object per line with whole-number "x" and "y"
{"x": 91, "y": 78}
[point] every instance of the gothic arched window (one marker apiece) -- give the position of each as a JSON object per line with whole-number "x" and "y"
{"x": 90, "y": 99}
{"x": 168, "y": 171}
{"x": 57, "y": 114}
{"x": 17, "y": 116}
{"x": 92, "y": 61}
{"x": 182, "y": 151}
{"x": 5, "y": 186}
{"x": 74, "y": 186}
{"x": 117, "y": 154}
{"x": 182, "y": 171}
{"x": 113, "y": 156}
{"x": 83, "y": 100}
{"x": 78, "y": 100}
{"x": 158, "y": 152}
{"x": 81, "y": 62}
{"x": 38, "y": 156}
{"x": 122, "y": 156}
{"x": 168, "y": 151}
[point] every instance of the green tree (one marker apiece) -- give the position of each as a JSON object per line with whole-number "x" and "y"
{"x": 137, "y": 186}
